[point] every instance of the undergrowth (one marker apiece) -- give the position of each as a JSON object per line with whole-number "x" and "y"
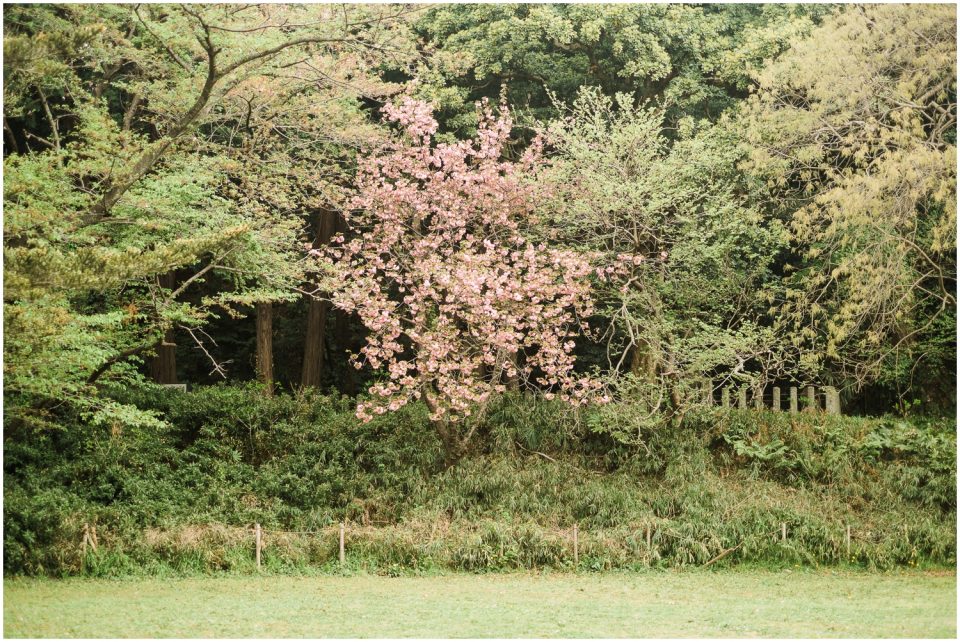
{"x": 183, "y": 499}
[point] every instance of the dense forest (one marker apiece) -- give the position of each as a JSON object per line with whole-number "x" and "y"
{"x": 381, "y": 244}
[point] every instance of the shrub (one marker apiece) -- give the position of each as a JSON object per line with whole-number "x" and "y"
{"x": 182, "y": 499}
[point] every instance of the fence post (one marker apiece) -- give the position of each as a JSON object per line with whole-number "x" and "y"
{"x": 776, "y": 398}
{"x": 758, "y": 399}
{"x": 742, "y": 401}
{"x": 783, "y": 531}
{"x": 576, "y": 546}
{"x": 708, "y": 392}
{"x": 847, "y": 540}
{"x": 86, "y": 537}
{"x": 343, "y": 555}
{"x": 649, "y": 537}
{"x": 258, "y": 536}
{"x": 832, "y": 400}
{"x": 794, "y": 402}
{"x": 812, "y": 405}
{"x": 725, "y": 397}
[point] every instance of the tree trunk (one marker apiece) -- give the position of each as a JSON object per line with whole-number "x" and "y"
{"x": 163, "y": 368}
{"x": 643, "y": 362}
{"x": 164, "y": 365}
{"x": 341, "y": 337}
{"x": 265, "y": 345}
{"x": 314, "y": 346}
{"x": 452, "y": 447}
{"x": 513, "y": 380}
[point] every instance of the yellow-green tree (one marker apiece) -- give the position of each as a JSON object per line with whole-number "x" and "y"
{"x": 690, "y": 259}
{"x": 854, "y": 131}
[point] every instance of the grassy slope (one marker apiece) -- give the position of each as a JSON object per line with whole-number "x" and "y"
{"x": 672, "y": 604}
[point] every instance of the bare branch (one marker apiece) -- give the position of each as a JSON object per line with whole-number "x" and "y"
{"x": 217, "y": 367}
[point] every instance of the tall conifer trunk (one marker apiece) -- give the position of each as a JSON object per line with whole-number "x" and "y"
{"x": 341, "y": 336}
{"x": 163, "y": 368}
{"x": 314, "y": 346}
{"x": 265, "y": 345}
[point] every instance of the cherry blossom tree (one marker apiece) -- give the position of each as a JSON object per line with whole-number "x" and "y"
{"x": 448, "y": 284}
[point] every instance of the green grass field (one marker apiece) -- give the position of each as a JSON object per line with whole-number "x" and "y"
{"x": 674, "y": 604}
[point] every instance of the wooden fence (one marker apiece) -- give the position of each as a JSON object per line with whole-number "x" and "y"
{"x": 811, "y": 401}
{"x": 650, "y": 532}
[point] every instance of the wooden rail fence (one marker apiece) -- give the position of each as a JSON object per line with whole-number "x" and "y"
{"x": 650, "y": 532}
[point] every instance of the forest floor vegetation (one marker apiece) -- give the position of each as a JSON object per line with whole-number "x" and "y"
{"x": 718, "y": 490}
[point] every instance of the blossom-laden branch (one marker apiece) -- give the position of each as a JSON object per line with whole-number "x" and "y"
{"x": 446, "y": 281}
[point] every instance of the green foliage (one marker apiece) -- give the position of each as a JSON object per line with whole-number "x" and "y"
{"x": 225, "y": 454}
{"x": 166, "y": 165}
{"x": 692, "y": 301}
{"x": 158, "y": 172}
{"x": 766, "y": 188}
{"x": 915, "y": 460}
{"x": 183, "y": 497}
{"x": 695, "y": 59}
{"x": 854, "y": 131}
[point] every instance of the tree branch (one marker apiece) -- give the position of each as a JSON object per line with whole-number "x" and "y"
{"x": 130, "y": 111}
{"x": 109, "y": 363}
{"x": 153, "y": 154}
{"x": 196, "y": 276}
{"x": 54, "y": 129}
{"x": 274, "y": 50}
{"x": 173, "y": 54}
{"x": 13, "y": 139}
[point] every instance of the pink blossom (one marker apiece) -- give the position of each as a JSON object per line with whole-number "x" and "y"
{"x": 443, "y": 275}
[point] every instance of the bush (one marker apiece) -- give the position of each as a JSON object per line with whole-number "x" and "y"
{"x": 182, "y": 499}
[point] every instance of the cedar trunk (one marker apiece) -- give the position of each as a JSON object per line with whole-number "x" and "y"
{"x": 314, "y": 346}
{"x": 163, "y": 368}
{"x": 342, "y": 337}
{"x": 265, "y": 345}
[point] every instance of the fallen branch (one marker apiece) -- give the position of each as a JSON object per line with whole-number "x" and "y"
{"x": 537, "y": 452}
{"x": 723, "y": 554}
{"x": 732, "y": 549}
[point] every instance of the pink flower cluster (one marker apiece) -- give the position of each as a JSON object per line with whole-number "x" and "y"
{"x": 444, "y": 279}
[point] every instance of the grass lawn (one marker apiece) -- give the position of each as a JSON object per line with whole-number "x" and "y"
{"x": 670, "y": 604}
